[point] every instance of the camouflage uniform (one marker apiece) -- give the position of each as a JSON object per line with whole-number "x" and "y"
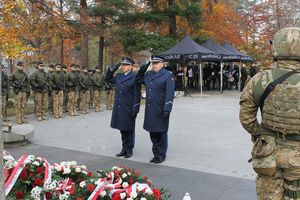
{"x": 4, "y": 87}
{"x": 20, "y": 83}
{"x": 39, "y": 82}
{"x": 276, "y": 150}
{"x": 84, "y": 91}
{"x": 57, "y": 84}
{"x": 50, "y": 97}
{"x": 72, "y": 87}
{"x": 77, "y": 91}
{"x": 65, "y": 104}
{"x": 97, "y": 84}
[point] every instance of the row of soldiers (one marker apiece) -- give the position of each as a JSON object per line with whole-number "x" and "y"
{"x": 57, "y": 90}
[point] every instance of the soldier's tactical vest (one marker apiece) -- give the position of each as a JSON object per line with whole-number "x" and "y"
{"x": 281, "y": 111}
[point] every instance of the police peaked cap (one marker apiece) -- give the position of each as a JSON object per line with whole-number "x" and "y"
{"x": 51, "y": 66}
{"x": 155, "y": 58}
{"x": 127, "y": 61}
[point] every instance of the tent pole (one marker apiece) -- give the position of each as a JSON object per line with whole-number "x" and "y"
{"x": 221, "y": 77}
{"x": 200, "y": 78}
{"x": 240, "y": 75}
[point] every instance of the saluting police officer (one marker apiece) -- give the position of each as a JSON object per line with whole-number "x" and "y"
{"x": 20, "y": 83}
{"x": 160, "y": 89}
{"x": 39, "y": 81}
{"x": 126, "y": 104}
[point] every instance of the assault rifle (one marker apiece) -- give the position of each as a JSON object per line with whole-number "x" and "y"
{"x": 20, "y": 84}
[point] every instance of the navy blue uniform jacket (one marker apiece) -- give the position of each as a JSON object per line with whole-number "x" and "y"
{"x": 160, "y": 89}
{"x": 126, "y": 100}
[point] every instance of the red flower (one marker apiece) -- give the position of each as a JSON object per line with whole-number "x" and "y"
{"x": 31, "y": 174}
{"x": 145, "y": 177}
{"x": 116, "y": 196}
{"x": 23, "y": 174}
{"x": 20, "y": 195}
{"x": 90, "y": 187}
{"x": 39, "y": 170}
{"x": 130, "y": 181}
{"x": 79, "y": 198}
{"x": 90, "y": 174}
{"x": 117, "y": 172}
{"x": 38, "y": 182}
{"x": 156, "y": 193}
{"x": 48, "y": 195}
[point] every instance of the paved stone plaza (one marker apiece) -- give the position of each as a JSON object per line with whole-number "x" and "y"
{"x": 208, "y": 149}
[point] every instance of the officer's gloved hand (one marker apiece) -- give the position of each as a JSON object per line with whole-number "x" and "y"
{"x": 133, "y": 115}
{"x": 166, "y": 115}
{"x": 115, "y": 67}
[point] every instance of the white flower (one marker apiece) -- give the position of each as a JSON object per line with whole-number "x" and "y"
{"x": 82, "y": 184}
{"x": 124, "y": 175}
{"x": 143, "y": 198}
{"x": 133, "y": 194}
{"x": 129, "y": 173}
{"x": 103, "y": 193}
{"x": 63, "y": 196}
{"x": 39, "y": 158}
{"x": 85, "y": 172}
{"x": 50, "y": 185}
{"x": 140, "y": 188}
{"x": 77, "y": 169}
{"x": 125, "y": 185}
{"x": 83, "y": 167}
{"x": 149, "y": 191}
{"x": 73, "y": 163}
{"x": 129, "y": 198}
{"x": 115, "y": 168}
{"x": 123, "y": 195}
{"x": 57, "y": 168}
{"x": 63, "y": 163}
{"x": 67, "y": 170}
{"x": 36, "y": 163}
{"x": 36, "y": 193}
{"x": 68, "y": 163}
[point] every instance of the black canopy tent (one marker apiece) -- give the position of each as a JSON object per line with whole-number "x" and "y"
{"x": 226, "y": 56}
{"x": 188, "y": 50}
{"x": 244, "y": 57}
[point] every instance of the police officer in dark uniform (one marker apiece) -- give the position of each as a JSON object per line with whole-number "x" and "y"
{"x": 126, "y": 104}
{"x": 160, "y": 88}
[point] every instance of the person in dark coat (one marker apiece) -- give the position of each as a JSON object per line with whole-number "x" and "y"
{"x": 253, "y": 70}
{"x": 160, "y": 88}
{"x": 244, "y": 77}
{"x": 126, "y": 104}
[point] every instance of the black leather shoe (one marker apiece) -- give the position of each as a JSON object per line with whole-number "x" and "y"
{"x": 127, "y": 155}
{"x": 153, "y": 160}
{"x": 159, "y": 160}
{"x": 122, "y": 153}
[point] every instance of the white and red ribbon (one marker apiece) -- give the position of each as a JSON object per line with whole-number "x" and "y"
{"x": 14, "y": 175}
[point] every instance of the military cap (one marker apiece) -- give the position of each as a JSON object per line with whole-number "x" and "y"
{"x": 51, "y": 66}
{"x": 20, "y": 63}
{"x": 99, "y": 68}
{"x": 127, "y": 61}
{"x": 57, "y": 64}
{"x": 64, "y": 66}
{"x": 84, "y": 68}
{"x": 74, "y": 65}
{"x": 155, "y": 58}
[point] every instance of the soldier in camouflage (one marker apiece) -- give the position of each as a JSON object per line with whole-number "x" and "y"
{"x": 4, "y": 88}
{"x": 39, "y": 82}
{"x": 51, "y": 70}
{"x": 276, "y": 150}
{"x": 72, "y": 86}
{"x": 57, "y": 84}
{"x": 97, "y": 84}
{"x": 84, "y": 83}
{"x": 20, "y": 83}
{"x": 65, "y": 74}
{"x": 77, "y": 92}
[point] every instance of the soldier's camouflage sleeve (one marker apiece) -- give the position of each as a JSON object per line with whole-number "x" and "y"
{"x": 248, "y": 108}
